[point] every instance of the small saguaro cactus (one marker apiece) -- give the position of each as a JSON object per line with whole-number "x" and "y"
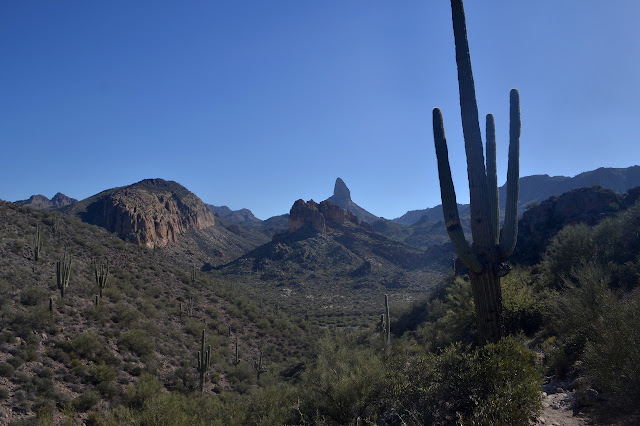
{"x": 37, "y": 243}
{"x": 63, "y": 272}
{"x": 258, "y": 366}
{"x": 101, "y": 272}
{"x": 51, "y": 306}
{"x": 194, "y": 275}
{"x": 387, "y": 319}
{"x": 491, "y": 246}
{"x": 204, "y": 359}
{"x": 236, "y": 359}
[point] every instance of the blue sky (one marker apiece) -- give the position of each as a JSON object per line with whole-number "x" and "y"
{"x": 258, "y": 103}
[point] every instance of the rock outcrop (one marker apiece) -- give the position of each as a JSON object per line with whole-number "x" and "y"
{"x": 42, "y": 202}
{"x": 317, "y": 217}
{"x": 585, "y": 205}
{"x": 153, "y": 212}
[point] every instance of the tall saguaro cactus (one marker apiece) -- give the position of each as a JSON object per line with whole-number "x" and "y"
{"x": 491, "y": 246}
{"x": 204, "y": 359}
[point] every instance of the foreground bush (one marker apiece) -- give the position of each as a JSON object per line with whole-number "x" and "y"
{"x": 496, "y": 384}
{"x": 612, "y": 357}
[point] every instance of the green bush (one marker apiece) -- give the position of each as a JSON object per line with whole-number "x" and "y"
{"x": 346, "y": 381}
{"x": 147, "y": 387}
{"x": 88, "y": 345}
{"x": 6, "y": 370}
{"x": 33, "y": 295}
{"x": 496, "y": 384}
{"x": 137, "y": 341}
{"x": 572, "y": 247}
{"x": 86, "y": 400}
{"x": 612, "y": 355}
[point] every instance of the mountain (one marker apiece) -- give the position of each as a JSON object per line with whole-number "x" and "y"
{"x": 331, "y": 258}
{"x": 342, "y": 197}
{"x": 240, "y": 217}
{"x": 537, "y": 188}
{"x": 583, "y": 205}
{"x": 42, "y": 202}
{"x": 152, "y": 212}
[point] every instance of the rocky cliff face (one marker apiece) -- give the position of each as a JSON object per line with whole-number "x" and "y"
{"x": 153, "y": 212}
{"x": 42, "y": 202}
{"x": 585, "y": 205}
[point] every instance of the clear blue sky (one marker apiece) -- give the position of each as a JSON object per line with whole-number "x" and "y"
{"x": 258, "y": 103}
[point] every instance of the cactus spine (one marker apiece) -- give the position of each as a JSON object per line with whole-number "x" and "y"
{"x": 485, "y": 258}
{"x": 204, "y": 359}
{"x": 63, "y": 270}
{"x": 101, "y": 272}
{"x": 37, "y": 243}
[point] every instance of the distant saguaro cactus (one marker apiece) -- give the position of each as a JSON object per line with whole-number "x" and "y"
{"x": 101, "y": 272}
{"x": 37, "y": 243}
{"x": 491, "y": 246}
{"x": 63, "y": 272}
{"x": 387, "y": 319}
{"x": 204, "y": 359}
{"x": 258, "y": 366}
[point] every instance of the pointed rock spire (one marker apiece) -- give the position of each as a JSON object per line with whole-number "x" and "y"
{"x": 341, "y": 192}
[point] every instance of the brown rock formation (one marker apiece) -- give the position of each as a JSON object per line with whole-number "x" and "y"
{"x": 306, "y": 215}
{"x": 318, "y": 217}
{"x": 152, "y": 212}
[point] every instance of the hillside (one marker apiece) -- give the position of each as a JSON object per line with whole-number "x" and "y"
{"x": 82, "y": 356}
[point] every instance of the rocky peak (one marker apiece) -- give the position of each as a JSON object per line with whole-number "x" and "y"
{"x": 152, "y": 212}
{"x": 61, "y": 200}
{"x": 42, "y": 202}
{"x": 318, "y": 217}
{"x": 341, "y": 192}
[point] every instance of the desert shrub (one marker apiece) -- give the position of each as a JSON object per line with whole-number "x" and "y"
{"x": 137, "y": 341}
{"x": 6, "y": 370}
{"x": 523, "y": 306}
{"x": 612, "y": 355}
{"x": 345, "y": 381}
{"x": 86, "y": 400}
{"x": 88, "y": 344}
{"x": 496, "y": 384}
{"x": 147, "y": 387}
{"x": 33, "y": 295}
{"x": 574, "y": 315}
{"x": 452, "y": 319}
{"x": 572, "y": 247}
{"x": 4, "y": 393}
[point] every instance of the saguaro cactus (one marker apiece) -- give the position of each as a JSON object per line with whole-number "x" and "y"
{"x": 101, "y": 272}
{"x": 258, "y": 366}
{"x": 387, "y": 319}
{"x": 37, "y": 243}
{"x": 204, "y": 359}
{"x": 491, "y": 246}
{"x": 63, "y": 272}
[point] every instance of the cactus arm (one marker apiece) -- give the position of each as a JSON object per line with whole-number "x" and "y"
{"x": 492, "y": 179}
{"x": 509, "y": 232}
{"x": 447, "y": 191}
{"x": 478, "y": 194}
